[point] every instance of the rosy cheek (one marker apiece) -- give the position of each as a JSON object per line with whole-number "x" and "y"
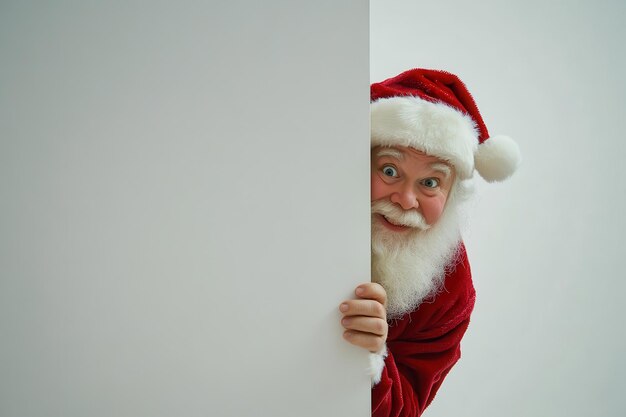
{"x": 432, "y": 207}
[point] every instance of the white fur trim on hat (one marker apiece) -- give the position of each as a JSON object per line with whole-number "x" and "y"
{"x": 497, "y": 158}
{"x": 433, "y": 128}
{"x": 377, "y": 364}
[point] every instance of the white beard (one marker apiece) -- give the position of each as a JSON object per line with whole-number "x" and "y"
{"x": 411, "y": 265}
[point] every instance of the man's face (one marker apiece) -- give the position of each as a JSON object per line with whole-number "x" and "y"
{"x": 414, "y": 182}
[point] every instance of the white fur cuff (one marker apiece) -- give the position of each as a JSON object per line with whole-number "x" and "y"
{"x": 434, "y": 128}
{"x": 377, "y": 364}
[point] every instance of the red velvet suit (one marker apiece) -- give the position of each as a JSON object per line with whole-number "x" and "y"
{"x": 424, "y": 345}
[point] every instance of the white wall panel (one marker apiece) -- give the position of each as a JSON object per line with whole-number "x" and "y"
{"x": 184, "y": 203}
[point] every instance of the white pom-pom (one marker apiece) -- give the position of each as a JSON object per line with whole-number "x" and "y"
{"x": 497, "y": 158}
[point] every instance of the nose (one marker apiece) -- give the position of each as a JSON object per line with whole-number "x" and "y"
{"x": 405, "y": 197}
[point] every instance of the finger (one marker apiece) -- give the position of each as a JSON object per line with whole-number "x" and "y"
{"x": 375, "y": 326}
{"x": 372, "y": 291}
{"x": 368, "y": 341}
{"x": 369, "y": 308}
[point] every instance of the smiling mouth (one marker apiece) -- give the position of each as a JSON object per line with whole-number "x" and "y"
{"x": 390, "y": 225}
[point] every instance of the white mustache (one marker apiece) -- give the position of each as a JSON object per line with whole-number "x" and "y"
{"x": 398, "y": 216}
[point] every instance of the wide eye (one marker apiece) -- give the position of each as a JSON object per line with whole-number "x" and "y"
{"x": 390, "y": 171}
{"x": 430, "y": 182}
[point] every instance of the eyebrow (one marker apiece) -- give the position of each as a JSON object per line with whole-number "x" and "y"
{"x": 390, "y": 152}
{"x": 443, "y": 168}
{"x": 436, "y": 166}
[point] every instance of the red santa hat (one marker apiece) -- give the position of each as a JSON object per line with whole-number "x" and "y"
{"x": 432, "y": 111}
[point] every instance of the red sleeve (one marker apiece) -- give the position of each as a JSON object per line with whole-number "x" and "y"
{"x": 424, "y": 345}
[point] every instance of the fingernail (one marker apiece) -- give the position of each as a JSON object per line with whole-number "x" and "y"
{"x": 343, "y": 307}
{"x": 359, "y": 291}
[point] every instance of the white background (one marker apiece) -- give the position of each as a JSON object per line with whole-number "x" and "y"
{"x": 547, "y": 337}
{"x": 184, "y": 204}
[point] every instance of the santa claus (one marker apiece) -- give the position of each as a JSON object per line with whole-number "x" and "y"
{"x": 427, "y": 139}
